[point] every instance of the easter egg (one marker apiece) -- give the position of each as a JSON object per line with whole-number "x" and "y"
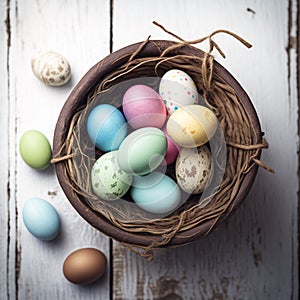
{"x": 194, "y": 169}
{"x": 106, "y": 127}
{"x": 156, "y": 193}
{"x": 41, "y": 219}
{"x": 172, "y": 149}
{"x": 108, "y": 181}
{"x": 143, "y": 107}
{"x": 177, "y": 89}
{"x": 142, "y": 151}
{"x": 51, "y": 68}
{"x": 192, "y": 126}
{"x": 35, "y": 149}
{"x": 85, "y": 266}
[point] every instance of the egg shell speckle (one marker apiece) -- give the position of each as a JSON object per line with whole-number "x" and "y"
{"x": 51, "y": 68}
{"x": 194, "y": 169}
{"x": 109, "y": 182}
{"x": 41, "y": 219}
{"x": 192, "y": 126}
{"x": 177, "y": 89}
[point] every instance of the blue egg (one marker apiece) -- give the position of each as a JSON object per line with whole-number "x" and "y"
{"x": 106, "y": 127}
{"x": 41, "y": 219}
{"x": 156, "y": 193}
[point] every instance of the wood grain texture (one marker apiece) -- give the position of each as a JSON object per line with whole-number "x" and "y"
{"x": 68, "y": 27}
{"x": 254, "y": 254}
{"x": 4, "y": 146}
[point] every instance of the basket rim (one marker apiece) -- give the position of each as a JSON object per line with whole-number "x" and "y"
{"x": 81, "y": 90}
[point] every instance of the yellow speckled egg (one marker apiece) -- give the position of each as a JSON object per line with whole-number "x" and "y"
{"x": 177, "y": 89}
{"x": 192, "y": 126}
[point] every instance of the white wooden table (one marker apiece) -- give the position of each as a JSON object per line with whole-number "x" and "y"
{"x": 252, "y": 256}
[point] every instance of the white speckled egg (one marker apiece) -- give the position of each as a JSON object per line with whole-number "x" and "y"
{"x": 192, "y": 126}
{"x": 51, "y": 68}
{"x": 194, "y": 169}
{"x": 109, "y": 182}
{"x": 177, "y": 89}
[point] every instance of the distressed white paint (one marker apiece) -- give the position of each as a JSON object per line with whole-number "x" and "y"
{"x": 80, "y": 31}
{"x": 4, "y": 170}
{"x": 254, "y": 255}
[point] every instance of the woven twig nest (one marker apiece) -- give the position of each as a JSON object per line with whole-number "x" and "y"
{"x": 74, "y": 156}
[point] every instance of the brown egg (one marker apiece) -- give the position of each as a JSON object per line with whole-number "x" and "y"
{"x": 84, "y": 266}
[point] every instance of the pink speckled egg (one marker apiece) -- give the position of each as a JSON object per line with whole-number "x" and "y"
{"x": 143, "y": 107}
{"x": 172, "y": 150}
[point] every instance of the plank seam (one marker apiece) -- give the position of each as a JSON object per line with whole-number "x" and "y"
{"x": 288, "y": 50}
{"x": 8, "y": 237}
{"x": 111, "y": 274}
{"x": 8, "y": 32}
{"x": 289, "y": 46}
{"x": 17, "y": 246}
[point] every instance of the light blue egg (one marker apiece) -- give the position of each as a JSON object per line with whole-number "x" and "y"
{"x": 106, "y": 127}
{"x": 41, "y": 219}
{"x": 156, "y": 193}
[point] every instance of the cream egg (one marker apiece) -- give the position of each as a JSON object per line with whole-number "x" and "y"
{"x": 194, "y": 169}
{"x": 51, "y": 68}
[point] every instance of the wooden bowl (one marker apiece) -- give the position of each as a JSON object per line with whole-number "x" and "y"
{"x": 78, "y": 98}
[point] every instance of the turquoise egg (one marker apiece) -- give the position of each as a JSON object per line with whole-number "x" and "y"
{"x": 156, "y": 193}
{"x": 41, "y": 219}
{"x": 142, "y": 151}
{"x": 106, "y": 127}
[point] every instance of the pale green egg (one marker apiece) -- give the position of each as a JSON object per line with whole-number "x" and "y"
{"x": 142, "y": 151}
{"x": 35, "y": 149}
{"x": 109, "y": 182}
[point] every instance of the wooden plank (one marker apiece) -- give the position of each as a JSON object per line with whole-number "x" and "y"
{"x": 80, "y": 31}
{"x": 254, "y": 254}
{"x": 4, "y": 146}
